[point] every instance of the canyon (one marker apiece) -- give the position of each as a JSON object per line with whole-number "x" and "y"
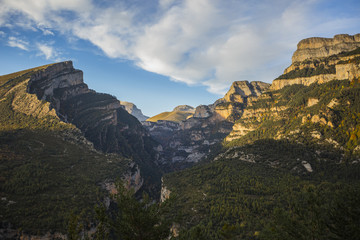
{"x": 304, "y": 124}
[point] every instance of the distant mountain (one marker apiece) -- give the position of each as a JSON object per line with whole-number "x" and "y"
{"x": 202, "y": 129}
{"x": 180, "y": 113}
{"x": 133, "y": 110}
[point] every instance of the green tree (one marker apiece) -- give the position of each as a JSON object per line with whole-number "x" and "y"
{"x": 133, "y": 219}
{"x": 75, "y": 227}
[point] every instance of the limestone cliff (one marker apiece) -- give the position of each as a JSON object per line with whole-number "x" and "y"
{"x": 100, "y": 117}
{"x": 322, "y": 60}
{"x": 133, "y": 110}
{"x": 316, "y": 47}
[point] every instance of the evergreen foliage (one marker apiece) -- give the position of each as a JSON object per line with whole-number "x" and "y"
{"x": 131, "y": 219}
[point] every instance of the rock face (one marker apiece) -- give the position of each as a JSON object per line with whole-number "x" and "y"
{"x": 202, "y": 111}
{"x": 238, "y": 96}
{"x": 322, "y": 60}
{"x": 100, "y": 117}
{"x": 316, "y": 47}
{"x": 133, "y": 110}
{"x": 165, "y": 192}
{"x": 241, "y": 90}
{"x": 192, "y": 139}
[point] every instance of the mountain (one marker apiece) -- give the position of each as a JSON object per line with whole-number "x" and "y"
{"x": 133, "y": 110}
{"x": 62, "y": 147}
{"x": 266, "y": 161}
{"x": 100, "y": 117}
{"x": 188, "y": 141}
{"x": 180, "y": 113}
{"x": 290, "y": 166}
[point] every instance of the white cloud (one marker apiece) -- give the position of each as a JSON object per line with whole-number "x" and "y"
{"x": 202, "y": 42}
{"x": 2, "y": 34}
{"x": 19, "y": 43}
{"x": 48, "y": 51}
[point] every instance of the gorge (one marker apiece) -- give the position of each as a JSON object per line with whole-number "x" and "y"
{"x": 238, "y": 168}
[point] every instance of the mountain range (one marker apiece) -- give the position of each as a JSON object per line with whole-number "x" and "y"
{"x": 266, "y": 161}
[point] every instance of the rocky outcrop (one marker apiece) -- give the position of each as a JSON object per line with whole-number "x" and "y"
{"x": 133, "y": 110}
{"x": 317, "y": 47}
{"x": 202, "y": 111}
{"x": 165, "y": 192}
{"x": 348, "y": 71}
{"x": 251, "y": 119}
{"x": 236, "y": 99}
{"x": 133, "y": 178}
{"x": 241, "y": 90}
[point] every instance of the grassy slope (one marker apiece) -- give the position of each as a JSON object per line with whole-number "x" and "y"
{"x": 176, "y": 116}
{"x": 47, "y": 170}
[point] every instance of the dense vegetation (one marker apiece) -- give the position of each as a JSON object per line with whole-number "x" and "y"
{"x": 128, "y": 218}
{"x": 309, "y": 72}
{"x": 235, "y": 199}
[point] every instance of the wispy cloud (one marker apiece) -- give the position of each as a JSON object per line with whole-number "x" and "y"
{"x": 48, "y": 51}
{"x": 19, "y": 43}
{"x": 202, "y": 42}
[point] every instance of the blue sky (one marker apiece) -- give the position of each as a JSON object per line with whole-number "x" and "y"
{"x": 162, "y": 53}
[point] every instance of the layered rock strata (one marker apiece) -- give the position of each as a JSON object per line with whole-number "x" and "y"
{"x": 100, "y": 117}
{"x": 316, "y": 47}
{"x": 322, "y": 60}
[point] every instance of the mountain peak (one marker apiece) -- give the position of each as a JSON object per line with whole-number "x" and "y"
{"x": 242, "y": 89}
{"x": 133, "y": 110}
{"x": 184, "y": 108}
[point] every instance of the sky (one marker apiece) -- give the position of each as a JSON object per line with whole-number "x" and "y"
{"x": 162, "y": 53}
